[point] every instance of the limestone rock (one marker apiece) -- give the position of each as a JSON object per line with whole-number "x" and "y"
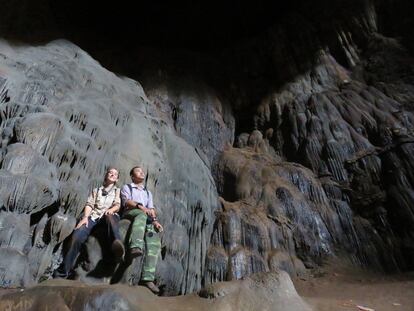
{"x": 321, "y": 166}
{"x": 266, "y": 291}
{"x": 64, "y": 120}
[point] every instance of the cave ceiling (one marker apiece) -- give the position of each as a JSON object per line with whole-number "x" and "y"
{"x": 190, "y": 25}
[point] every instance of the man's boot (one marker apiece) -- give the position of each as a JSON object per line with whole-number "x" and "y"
{"x": 152, "y": 287}
{"x": 136, "y": 252}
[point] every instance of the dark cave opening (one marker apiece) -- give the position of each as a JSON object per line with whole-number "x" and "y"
{"x": 221, "y": 42}
{"x": 200, "y": 26}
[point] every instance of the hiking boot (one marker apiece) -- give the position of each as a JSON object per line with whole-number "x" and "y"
{"x": 118, "y": 249}
{"x": 152, "y": 287}
{"x": 136, "y": 252}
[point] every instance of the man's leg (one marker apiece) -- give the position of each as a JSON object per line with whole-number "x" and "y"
{"x": 139, "y": 220}
{"x": 79, "y": 236}
{"x": 152, "y": 251}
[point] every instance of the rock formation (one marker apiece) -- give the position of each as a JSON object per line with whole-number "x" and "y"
{"x": 290, "y": 147}
{"x": 64, "y": 119}
{"x": 272, "y": 291}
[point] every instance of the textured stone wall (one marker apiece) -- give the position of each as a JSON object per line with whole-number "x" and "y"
{"x": 345, "y": 115}
{"x": 64, "y": 119}
{"x": 294, "y": 146}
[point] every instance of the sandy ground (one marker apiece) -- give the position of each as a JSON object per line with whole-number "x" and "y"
{"x": 345, "y": 289}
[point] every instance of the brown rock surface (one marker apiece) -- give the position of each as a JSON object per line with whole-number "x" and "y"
{"x": 271, "y": 291}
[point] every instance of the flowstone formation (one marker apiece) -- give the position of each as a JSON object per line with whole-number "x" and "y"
{"x": 279, "y": 152}
{"x": 326, "y": 166}
{"x": 64, "y": 119}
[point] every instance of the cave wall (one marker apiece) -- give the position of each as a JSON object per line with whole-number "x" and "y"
{"x": 282, "y": 150}
{"x": 64, "y": 120}
{"x": 345, "y": 113}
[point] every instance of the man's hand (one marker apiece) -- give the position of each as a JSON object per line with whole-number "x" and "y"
{"x": 158, "y": 227}
{"x": 84, "y": 221}
{"x": 151, "y": 212}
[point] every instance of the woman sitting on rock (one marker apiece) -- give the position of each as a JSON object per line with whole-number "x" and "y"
{"x": 102, "y": 206}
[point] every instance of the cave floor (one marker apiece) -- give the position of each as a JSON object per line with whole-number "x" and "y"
{"x": 343, "y": 288}
{"x": 338, "y": 287}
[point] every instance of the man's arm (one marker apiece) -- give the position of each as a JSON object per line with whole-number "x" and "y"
{"x": 130, "y": 204}
{"x": 152, "y": 213}
{"x": 126, "y": 196}
{"x": 150, "y": 202}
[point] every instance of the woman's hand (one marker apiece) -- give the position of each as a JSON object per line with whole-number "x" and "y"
{"x": 111, "y": 210}
{"x": 84, "y": 221}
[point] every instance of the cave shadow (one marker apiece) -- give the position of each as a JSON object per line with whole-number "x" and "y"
{"x": 184, "y": 27}
{"x": 251, "y": 51}
{"x": 49, "y": 211}
{"x": 119, "y": 273}
{"x": 105, "y": 267}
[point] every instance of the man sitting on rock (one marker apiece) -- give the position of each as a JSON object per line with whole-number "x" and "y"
{"x": 139, "y": 207}
{"x": 102, "y": 207}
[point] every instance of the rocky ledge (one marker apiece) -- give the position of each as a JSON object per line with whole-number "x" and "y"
{"x": 265, "y": 291}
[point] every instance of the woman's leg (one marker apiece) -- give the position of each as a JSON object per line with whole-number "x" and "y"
{"x": 113, "y": 223}
{"x": 79, "y": 236}
{"x": 117, "y": 245}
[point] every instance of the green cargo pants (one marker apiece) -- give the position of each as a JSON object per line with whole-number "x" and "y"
{"x": 144, "y": 234}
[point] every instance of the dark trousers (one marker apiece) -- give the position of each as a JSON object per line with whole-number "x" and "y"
{"x": 80, "y": 235}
